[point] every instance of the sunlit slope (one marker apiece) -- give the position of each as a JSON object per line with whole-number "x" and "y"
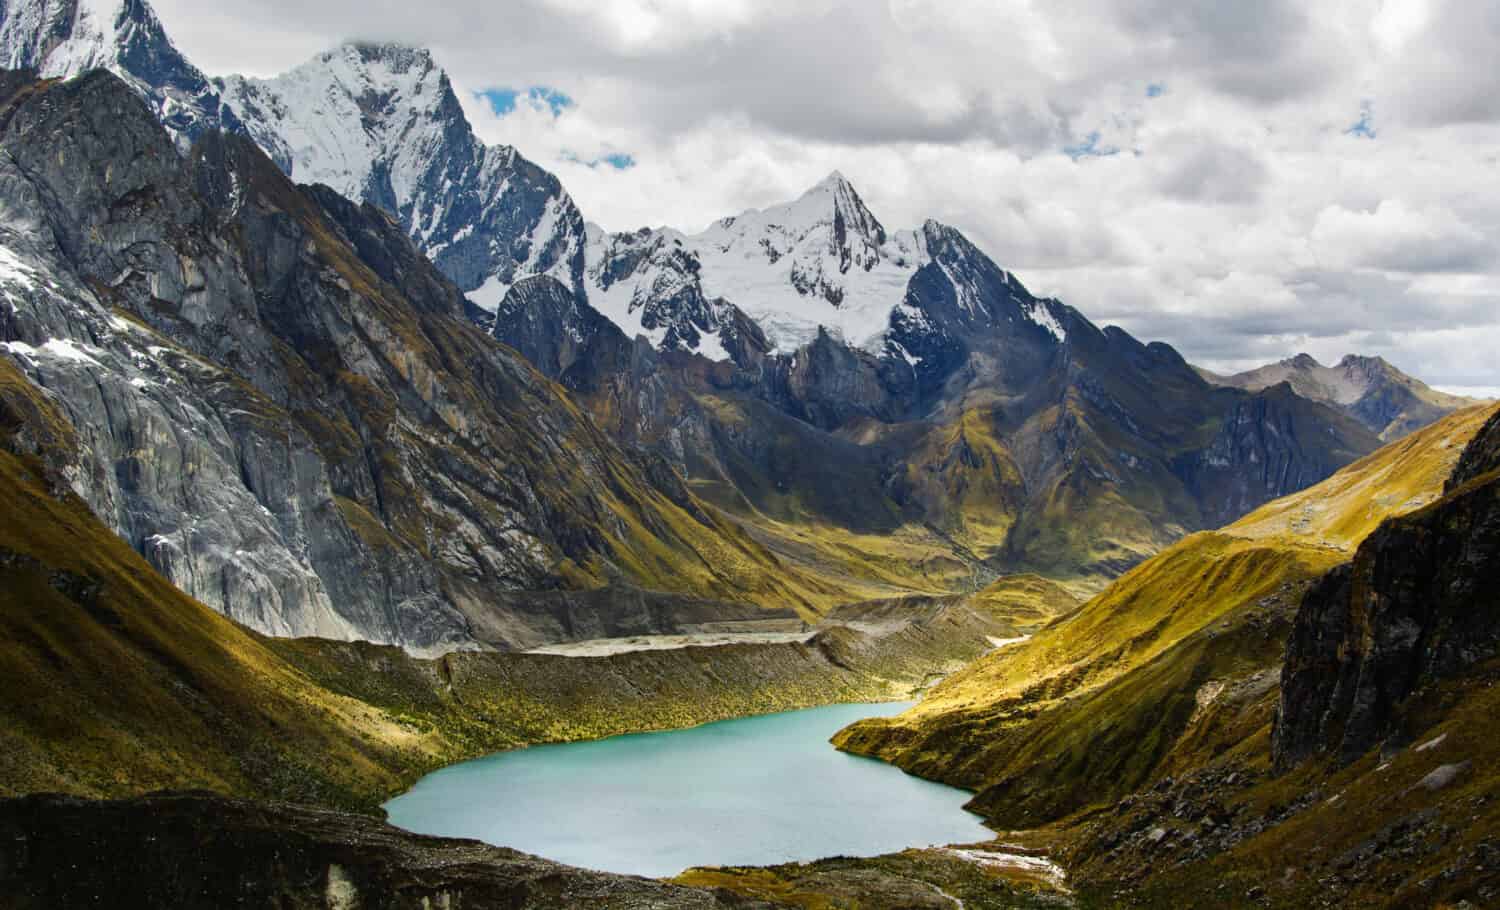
{"x": 1092, "y": 706}
{"x": 1024, "y": 602}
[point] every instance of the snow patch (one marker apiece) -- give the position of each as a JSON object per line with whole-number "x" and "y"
{"x": 489, "y": 295}
{"x": 65, "y": 349}
{"x": 1042, "y": 315}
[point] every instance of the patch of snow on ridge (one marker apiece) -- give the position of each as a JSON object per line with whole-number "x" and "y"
{"x": 1043, "y": 316}
{"x": 12, "y": 268}
{"x": 68, "y": 349}
{"x": 489, "y": 295}
{"x": 58, "y": 348}
{"x": 86, "y": 45}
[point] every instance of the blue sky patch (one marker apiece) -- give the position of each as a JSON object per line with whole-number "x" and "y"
{"x": 503, "y": 100}
{"x": 1089, "y": 148}
{"x": 620, "y": 161}
{"x": 1155, "y": 90}
{"x": 1364, "y": 127}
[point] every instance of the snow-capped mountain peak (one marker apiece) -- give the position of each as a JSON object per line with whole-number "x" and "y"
{"x": 380, "y": 123}
{"x": 330, "y": 119}
{"x": 823, "y": 259}
{"x": 830, "y": 218}
{"x": 821, "y": 262}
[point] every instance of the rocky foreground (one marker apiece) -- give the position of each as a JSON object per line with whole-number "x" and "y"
{"x": 196, "y": 849}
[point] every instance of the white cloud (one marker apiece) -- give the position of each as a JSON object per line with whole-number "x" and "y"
{"x": 1238, "y": 219}
{"x": 1397, "y": 238}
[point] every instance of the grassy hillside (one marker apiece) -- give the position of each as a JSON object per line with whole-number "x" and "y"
{"x": 1024, "y": 602}
{"x": 1097, "y": 705}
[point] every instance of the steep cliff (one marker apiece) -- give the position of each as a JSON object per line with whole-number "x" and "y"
{"x": 1418, "y": 604}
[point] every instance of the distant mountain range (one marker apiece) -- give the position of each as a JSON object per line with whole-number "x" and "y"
{"x": 1369, "y": 389}
{"x": 867, "y": 411}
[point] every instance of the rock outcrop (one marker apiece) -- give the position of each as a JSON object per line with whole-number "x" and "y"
{"x": 197, "y": 849}
{"x": 1417, "y": 605}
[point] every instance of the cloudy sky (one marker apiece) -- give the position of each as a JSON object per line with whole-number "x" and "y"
{"x": 1245, "y": 180}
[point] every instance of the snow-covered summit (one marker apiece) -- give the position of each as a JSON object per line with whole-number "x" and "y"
{"x": 380, "y": 123}
{"x": 61, "y": 38}
{"x": 337, "y": 118}
{"x": 822, "y": 262}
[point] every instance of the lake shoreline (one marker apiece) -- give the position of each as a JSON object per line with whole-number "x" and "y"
{"x": 698, "y": 777}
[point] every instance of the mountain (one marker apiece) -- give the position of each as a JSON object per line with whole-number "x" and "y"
{"x": 820, "y": 264}
{"x": 273, "y": 396}
{"x": 835, "y": 387}
{"x": 1378, "y": 395}
{"x": 971, "y": 416}
{"x": 1102, "y": 702}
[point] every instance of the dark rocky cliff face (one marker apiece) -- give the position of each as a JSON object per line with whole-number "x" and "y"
{"x": 201, "y": 850}
{"x": 1269, "y": 443}
{"x": 1419, "y": 603}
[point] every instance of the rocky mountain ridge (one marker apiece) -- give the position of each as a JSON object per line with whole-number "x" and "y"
{"x": 1388, "y": 401}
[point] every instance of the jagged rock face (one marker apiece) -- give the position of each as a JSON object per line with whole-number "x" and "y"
{"x": 66, "y": 38}
{"x": 197, "y": 849}
{"x": 1416, "y": 605}
{"x": 567, "y": 340}
{"x": 1269, "y": 444}
{"x": 279, "y": 401}
{"x": 166, "y": 440}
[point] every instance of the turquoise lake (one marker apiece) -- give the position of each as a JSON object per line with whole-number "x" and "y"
{"x": 751, "y": 791}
